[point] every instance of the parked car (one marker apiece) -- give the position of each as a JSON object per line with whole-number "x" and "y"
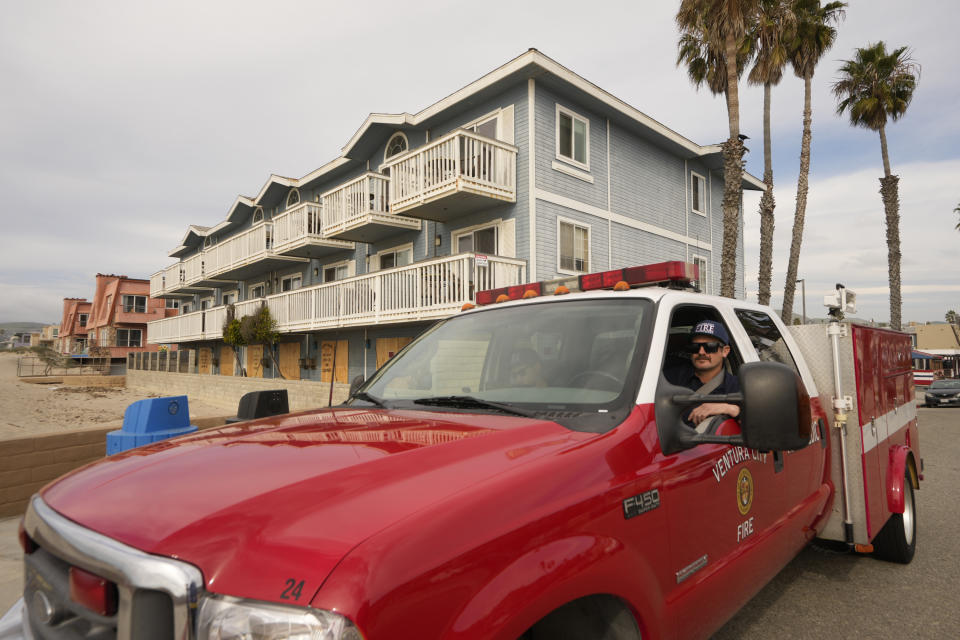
{"x": 943, "y": 393}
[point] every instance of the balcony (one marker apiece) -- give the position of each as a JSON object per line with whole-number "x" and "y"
{"x": 452, "y": 176}
{"x": 299, "y": 232}
{"x": 427, "y": 290}
{"x": 360, "y": 211}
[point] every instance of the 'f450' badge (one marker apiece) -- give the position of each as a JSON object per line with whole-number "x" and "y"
{"x": 744, "y": 491}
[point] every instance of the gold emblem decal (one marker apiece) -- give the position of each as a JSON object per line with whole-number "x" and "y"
{"x": 744, "y": 491}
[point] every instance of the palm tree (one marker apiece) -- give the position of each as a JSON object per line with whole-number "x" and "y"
{"x": 721, "y": 27}
{"x": 814, "y": 35}
{"x": 873, "y": 87}
{"x": 773, "y": 30}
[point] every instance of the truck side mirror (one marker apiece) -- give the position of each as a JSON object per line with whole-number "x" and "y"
{"x": 775, "y": 414}
{"x": 774, "y": 411}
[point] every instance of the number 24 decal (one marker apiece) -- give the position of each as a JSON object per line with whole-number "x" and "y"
{"x": 293, "y": 591}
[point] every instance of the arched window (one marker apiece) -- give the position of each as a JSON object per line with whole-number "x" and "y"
{"x": 397, "y": 144}
{"x": 209, "y": 241}
{"x": 293, "y": 198}
{"x": 258, "y": 215}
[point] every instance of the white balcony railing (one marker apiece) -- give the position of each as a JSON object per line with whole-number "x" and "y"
{"x": 349, "y": 203}
{"x": 460, "y": 160}
{"x": 251, "y": 245}
{"x": 305, "y": 221}
{"x": 165, "y": 280}
{"x": 423, "y": 291}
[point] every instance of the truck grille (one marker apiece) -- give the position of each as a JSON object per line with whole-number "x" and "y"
{"x": 156, "y": 596}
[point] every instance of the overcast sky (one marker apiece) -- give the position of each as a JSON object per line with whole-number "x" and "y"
{"x": 121, "y": 123}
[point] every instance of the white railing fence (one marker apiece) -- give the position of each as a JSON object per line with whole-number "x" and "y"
{"x": 485, "y": 165}
{"x": 426, "y": 290}
{"x": 304, "y": 221}
{"x": 364, "y": 195}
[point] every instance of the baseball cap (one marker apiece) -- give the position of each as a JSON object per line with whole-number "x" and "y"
{"x": 712, "y": 329}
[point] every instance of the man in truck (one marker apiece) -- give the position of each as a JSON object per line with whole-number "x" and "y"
{"x": 706, "y": 372}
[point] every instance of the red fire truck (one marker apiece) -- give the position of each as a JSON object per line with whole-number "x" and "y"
{"x": 520, "y": 470}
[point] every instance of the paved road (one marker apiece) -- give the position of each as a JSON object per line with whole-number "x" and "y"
{"x": 818, "y": 595}
{"x": 824, "y": 595}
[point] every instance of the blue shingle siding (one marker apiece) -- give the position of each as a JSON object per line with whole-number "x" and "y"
{"x": 555, "y": 181}
{"x": 646, "y": 182}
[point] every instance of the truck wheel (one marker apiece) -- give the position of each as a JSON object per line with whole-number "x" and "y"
{"x": 897, "y": 541}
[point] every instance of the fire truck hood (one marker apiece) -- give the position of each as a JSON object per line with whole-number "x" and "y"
{"x": 262, "y": 507}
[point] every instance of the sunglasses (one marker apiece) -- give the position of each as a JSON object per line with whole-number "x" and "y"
{"x": 708, "y": 347}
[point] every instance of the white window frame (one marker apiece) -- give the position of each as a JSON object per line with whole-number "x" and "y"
{"x": 291, "y": 276}
{"x": 209, "y": 300}
{"x": 397, "y": 249}
{"x": 493, "y": 115}
{"x": 290, "y": 194}
{"x": 575, "y": 223}
{"x": 694, "y": 176}
{"x": 171, "y": 303}
{"x": 257, "y": 211}
{"x": 704, "y": 263}
{"x": 253, "y": 286}
{"x": 185, "y": 308}
{"x": 336, "y": 265}
{"x": 233, "y": 292}
{"x": 406, "y": 143}
{"x": 209, "y": 241}
{"x": 586, "y": 152}
{"x": 82, "y": 319}
{"x": 464, "y": 231}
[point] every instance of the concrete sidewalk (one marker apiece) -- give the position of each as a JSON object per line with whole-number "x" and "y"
{"x": 11, "y": 564}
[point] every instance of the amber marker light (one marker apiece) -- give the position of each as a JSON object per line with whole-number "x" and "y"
{"x": 621, "y": 286}
{"x": 467, "y": 306}
{"x": 561, "y": 290}
{"x": 502, "y": 298}
{"x": 530, "y": 293}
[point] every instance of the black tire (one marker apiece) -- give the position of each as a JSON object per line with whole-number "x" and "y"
{"x": 897, "y": 541}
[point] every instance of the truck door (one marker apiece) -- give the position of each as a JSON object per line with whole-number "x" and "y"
{"x": 717, "y": 499}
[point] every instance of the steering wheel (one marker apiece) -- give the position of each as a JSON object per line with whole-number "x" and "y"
{"x": 596, "y": 373}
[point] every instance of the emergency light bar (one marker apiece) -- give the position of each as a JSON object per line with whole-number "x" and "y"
{"x": 675, "y": 274}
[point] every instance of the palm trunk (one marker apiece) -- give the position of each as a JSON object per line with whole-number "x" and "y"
{"x": 767, "y": 205}
{"x": 790, "y": 286}
{"x": 889, "y": 191}
{"x": 732, "y": 177}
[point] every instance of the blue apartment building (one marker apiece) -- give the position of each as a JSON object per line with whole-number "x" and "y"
{"x": 529, "y": 173}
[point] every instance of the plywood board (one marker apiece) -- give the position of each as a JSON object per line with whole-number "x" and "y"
{"x": 205, "y": 355}
{"x": 254, "y": 356}
{"x": 342, "y": 360}
{"x": 228, "y": 361}
{"x": 290, "y": 360}
{"x": 389, "y": 347}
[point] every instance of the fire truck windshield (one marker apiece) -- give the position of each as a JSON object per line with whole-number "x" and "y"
{"x": 573, "y": 356}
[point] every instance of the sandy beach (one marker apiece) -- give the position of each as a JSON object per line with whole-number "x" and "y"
{"x": 31, "y": 409}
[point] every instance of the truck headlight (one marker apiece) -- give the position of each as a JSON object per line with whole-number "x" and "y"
{"x": 224, "y": 618}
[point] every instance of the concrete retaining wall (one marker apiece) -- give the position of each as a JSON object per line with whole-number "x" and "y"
{"x": 226, "y": 391}
{"x": 93, "y": 381}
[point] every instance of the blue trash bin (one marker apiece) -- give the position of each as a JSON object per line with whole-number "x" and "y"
{"x": 150, "y": 420}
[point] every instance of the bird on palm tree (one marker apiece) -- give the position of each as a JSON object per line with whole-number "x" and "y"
{"x": 721, "y": 27}
{"x": 874, "y": 87}
{"x": 814, "y": 35}
{"x": 772, "y": 32}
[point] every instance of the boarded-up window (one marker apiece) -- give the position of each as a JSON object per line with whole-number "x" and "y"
{"x": 334, "y": 361}
{"x": 254, "y": 364}
{"x": 389, "y": 347}
{"x": 227, "y": 361}
{"x": 204, "y": 357}
{"x": 290, "y": 360}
